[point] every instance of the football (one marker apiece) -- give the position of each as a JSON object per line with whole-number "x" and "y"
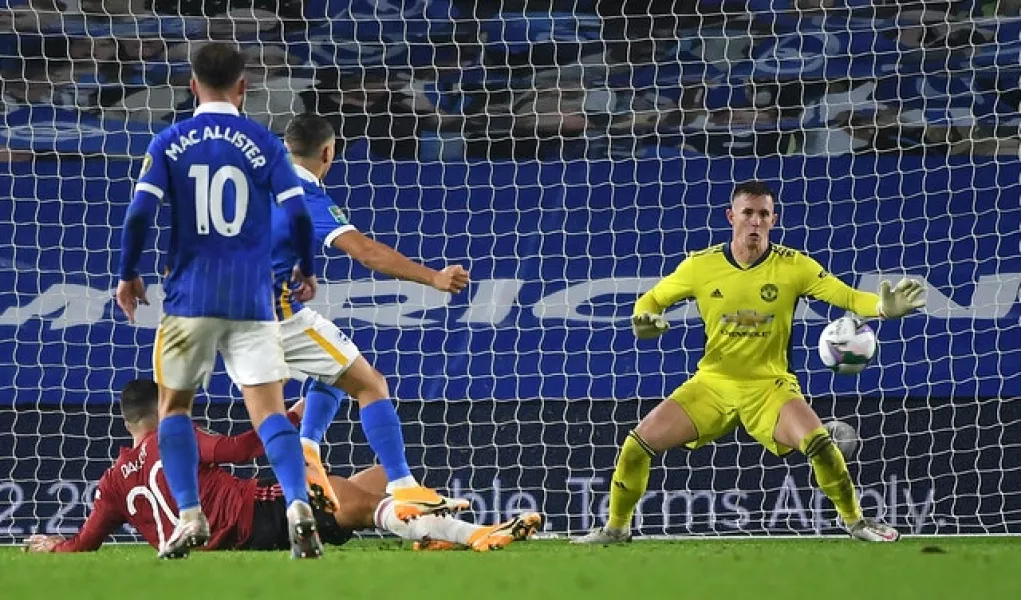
{"x": 847, "y": 345}
{"x": 844, "y": 437}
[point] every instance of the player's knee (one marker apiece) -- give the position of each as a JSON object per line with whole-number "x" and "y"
{"x": 172, "y": 402}
{"x": 635, "y": 450}
{"x": 818, "y": 446}
{"x": 373, "y": 389}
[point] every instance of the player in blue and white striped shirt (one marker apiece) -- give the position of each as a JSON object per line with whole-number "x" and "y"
{"x": 219, "y": 174}
{"x": 315, "y": 348}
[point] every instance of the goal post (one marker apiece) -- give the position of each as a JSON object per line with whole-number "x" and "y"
{"x": 568, "y": 159}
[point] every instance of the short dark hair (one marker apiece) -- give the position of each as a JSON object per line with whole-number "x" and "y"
{"x": 217, "y": 65}
{"x": 306, "y": 133}
{"x": 139, "y": 400}
{"x": 754, "y": 188}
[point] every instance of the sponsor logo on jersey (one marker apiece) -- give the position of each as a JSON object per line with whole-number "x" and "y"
{"x": 716, "y": 293}
{"x": 747, "y": 318}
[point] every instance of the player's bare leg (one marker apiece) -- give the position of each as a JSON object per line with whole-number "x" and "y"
{"x": 367, "y": 386}
{"x": 493, "y": 537}
{"x": 263, "y": 400}
{"x": 799, "y": 427}
{"x": 265, "y": 404}
{"x": 666, "y": 427}
{"x": 364, "y": 505}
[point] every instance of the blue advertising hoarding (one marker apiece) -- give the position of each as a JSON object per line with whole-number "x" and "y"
{"x": 926, "y": 467}
{"x": 557, "y": 254}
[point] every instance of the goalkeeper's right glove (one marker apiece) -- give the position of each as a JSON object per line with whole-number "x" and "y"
{"x": 648, "y": 325}
{"x": 904, "y": 298}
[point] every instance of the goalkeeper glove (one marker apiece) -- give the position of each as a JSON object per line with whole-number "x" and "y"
{"x": 903, "y": 299}
{"x": 648, "y": 325}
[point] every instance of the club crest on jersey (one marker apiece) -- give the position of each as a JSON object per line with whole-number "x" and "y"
{"x": 747, "y": 318}
{"x": 146, "y": 164}
{"x": 338, "y": 215}
{"x": 768, "y": 292}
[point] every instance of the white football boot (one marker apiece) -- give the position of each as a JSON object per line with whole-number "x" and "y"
{"x": 870, "y": 530}
{"x": 192, "y": 531}
{"x": 604, "y": 535}
{"x": 304, "y": 534}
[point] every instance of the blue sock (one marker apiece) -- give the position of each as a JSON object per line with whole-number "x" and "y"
{"x": 179, "y": 452}
{"x": 280, "y": 439}
{"x": 321, "y": 404}
{"x": 383, "y": 430}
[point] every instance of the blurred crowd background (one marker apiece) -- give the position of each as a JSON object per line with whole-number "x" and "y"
{"x": 450, "y": 80}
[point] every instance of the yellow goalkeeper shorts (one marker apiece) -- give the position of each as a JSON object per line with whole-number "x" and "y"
{"x": 716, "y": 405}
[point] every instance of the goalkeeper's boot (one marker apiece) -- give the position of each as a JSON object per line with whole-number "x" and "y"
{"x": 870, "y": 530}
{"x": 501, "y": 535}
{"x": 604, "y": 535}
{"x": 318, "y": 481}
{"x": 192, "y": 531}
{"x": 413, "y": 502}
{"x": 428, "y": 545}
{"x": 303, "y": 532}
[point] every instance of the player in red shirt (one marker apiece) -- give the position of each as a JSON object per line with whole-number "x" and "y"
{"x": 245, "y": 514}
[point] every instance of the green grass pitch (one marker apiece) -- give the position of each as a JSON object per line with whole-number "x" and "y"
{"x": 830, "y": 569}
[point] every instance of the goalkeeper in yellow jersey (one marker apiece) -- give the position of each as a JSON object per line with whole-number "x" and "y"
{"x": 746, "y": 292}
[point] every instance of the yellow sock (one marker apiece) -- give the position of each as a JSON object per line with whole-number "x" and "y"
{"x": 629, "y": 481}
{"x": 831, "y": 473}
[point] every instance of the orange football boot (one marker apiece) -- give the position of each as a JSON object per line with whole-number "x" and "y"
{"x": 501, "y": 535}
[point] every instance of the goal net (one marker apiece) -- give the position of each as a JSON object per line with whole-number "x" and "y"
{"x": 568, "y": 153}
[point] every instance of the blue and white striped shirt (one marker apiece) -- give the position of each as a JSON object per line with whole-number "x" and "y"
{"x": 219, "y": 173}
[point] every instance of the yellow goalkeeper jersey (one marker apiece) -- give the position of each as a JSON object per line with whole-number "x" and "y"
{"x": 749, "y": 311}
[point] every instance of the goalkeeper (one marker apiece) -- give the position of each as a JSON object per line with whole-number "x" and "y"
{"x": 746, "y": 292}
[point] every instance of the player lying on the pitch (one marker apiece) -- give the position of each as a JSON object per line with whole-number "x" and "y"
{"x": 746, "y": 291}
{"x": 245, "y": 514}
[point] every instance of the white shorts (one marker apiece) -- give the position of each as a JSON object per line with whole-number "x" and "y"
{"x": 315, "y": 347}
{"x": 186, "y": 350}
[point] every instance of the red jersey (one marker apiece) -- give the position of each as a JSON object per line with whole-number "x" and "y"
{"x": 134, "y": 491}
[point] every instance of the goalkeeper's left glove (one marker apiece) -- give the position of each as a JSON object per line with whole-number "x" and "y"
{"x": 904, "y": 298}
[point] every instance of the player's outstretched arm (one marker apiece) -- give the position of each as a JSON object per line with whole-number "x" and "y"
{"x": 904, "y": 298}
{"x": 384, "y": 259}
{"x": 101, "y": 522}
{"x": 237, "y": 449}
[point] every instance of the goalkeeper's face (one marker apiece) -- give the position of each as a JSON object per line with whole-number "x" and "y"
{"x": 752, "y": 217}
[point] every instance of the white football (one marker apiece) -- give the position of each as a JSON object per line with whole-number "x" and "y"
{"x": 847, "y": 345}
{"x": 844, "y": 437}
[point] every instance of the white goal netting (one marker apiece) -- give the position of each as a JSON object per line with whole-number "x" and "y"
{"x": 567, "y": 153}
